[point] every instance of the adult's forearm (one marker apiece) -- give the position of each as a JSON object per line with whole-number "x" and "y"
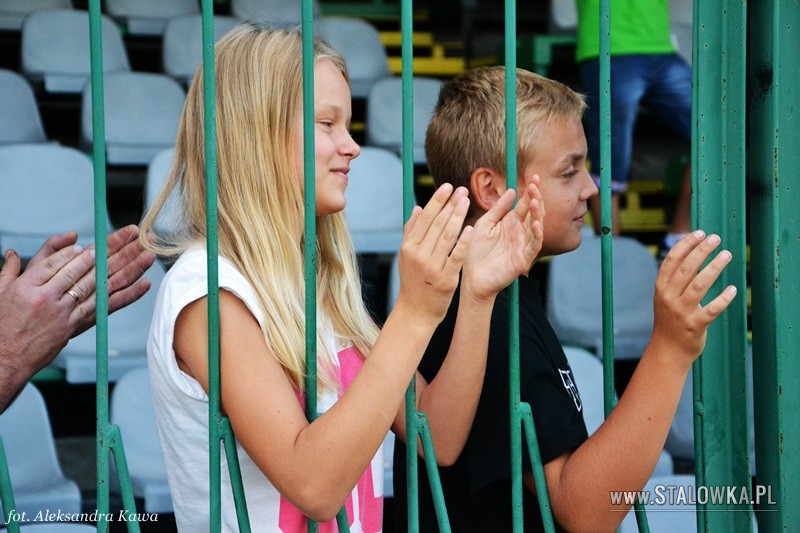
{"x": 13, "y": 377}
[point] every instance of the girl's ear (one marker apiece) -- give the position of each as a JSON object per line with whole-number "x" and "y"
{"x": 486, "y": 186}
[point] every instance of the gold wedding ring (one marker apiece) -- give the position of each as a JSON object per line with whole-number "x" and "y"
{"x": 75, "y": 295}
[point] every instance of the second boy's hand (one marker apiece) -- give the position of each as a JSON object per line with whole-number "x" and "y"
{"x": 505, "y": 243}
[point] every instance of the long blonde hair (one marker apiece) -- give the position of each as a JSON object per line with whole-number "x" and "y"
{"x": 260, "y": 202}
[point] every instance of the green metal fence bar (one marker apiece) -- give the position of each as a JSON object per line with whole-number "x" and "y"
{"x": 7, "y": 493}
{"x": 219, "y": 428}
{"x": 412, "y": 425}
{"x": 606, "y": 230}
{"x": 525, "y": 415}
{"x": 606, "y": 223}
{"x": 432, "y": 469}
{"x": 107, "y": 435}
{"x": 417, "y": 428}
{"x": 114, "y": 438}
{"x": 310, "y": 246}
{"x": 718, "y": 205}
{"x": 774, "y": 69}
{"x": 510, "y": 40}
{"x": 309, "y": 211}
{"x": 520, "y": 414}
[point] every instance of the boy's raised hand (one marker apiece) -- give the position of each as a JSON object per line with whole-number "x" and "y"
{"x": 681, "y": 323}
{"x": 432, "y": 252}
{"x": 505, "y": 242}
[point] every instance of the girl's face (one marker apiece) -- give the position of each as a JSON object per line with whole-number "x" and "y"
{"x": 334, "y": 148}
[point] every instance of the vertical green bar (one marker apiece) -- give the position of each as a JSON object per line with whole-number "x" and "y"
{"x": 606, "y": 233}
{"x": 219, "y": 428}
{"x": 101, "y": 265}
{"x": 417, "y": 428}
{"x": 7, "y": 492}
{"x": 510, "y": 30}
{"x": 407, "y": 73}
{"x": 718, "y": 163}
{"x": 774, "y": 71}
{"x": 520, "y": 414}
{"x": 310, "y": 212}
{"x": 214, "y": 400}
{"x": 310, "y": 228}
{"x": 108, "y": 438}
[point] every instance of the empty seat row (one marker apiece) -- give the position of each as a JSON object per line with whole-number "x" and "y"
{"x": 148, "y": 17}
{"x": 39, "y": 485}
{"x": 55, "y": 48}
{"x": 142, "y": 112}
{"x": 21, "y": 122}
{"x": 48, "y": 189}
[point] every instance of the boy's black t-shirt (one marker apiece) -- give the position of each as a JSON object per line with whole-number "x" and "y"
{"x": 477, "y": 487}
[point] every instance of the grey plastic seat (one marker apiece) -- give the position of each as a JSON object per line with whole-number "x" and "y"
{"x": 47, "y": 189}
{"x": 276, "y": 11}
{"x": 681, "y": 34}
{"x": 360, "y": 44}
{"x": 681, "y": 13}
{"x": 21, "y": 122}
{"x": 13, "y": 12}
{"x": 182, "y": 52}
{"x": 680, "y": 440}
{"x": 588, "y": 373}
{"x": 148, "y": 17}
{"x": 127, "y": 339}
{"x": 574, "y": 296}
{"x": 142, "y": 111}
{"x": 36, "y": 476}
{"x": 384, "y": 113}
{"x": 55, "y": 49}
{"x": 132, "y": 410}
{"x": 374, "y": 210}
{"x": 170, "y": 218}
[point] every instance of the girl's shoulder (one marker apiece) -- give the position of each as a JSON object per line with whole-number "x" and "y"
{"x": 189, "y": 274}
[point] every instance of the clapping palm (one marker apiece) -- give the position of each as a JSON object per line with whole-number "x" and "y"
{"x": 505, "y": 242}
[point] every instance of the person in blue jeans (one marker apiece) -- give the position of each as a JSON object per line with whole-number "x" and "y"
{"x": 645, "y": 69}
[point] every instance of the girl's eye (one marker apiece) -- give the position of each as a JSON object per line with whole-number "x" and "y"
{"x": 571, "y": 173}
{"x": 327, "y": 123}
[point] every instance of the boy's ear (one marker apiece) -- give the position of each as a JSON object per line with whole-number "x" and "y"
{"x": 486, "y": 186}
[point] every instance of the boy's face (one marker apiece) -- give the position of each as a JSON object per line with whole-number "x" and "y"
{"x": 564, "y": 183}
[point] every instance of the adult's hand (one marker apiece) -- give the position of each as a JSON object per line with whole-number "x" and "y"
{"x": 127, "y": 261}
{"x": 55, "y": 300}
{"x": 37, "y": 315}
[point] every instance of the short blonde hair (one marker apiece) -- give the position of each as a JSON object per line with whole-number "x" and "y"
{"x": 259, "y": 94}
{"x": 467, "y": 130}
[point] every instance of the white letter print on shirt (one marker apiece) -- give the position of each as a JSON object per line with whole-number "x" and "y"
{"x": 569, "y": 384}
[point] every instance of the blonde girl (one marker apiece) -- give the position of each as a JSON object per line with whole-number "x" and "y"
{"x": 292, "y": 468}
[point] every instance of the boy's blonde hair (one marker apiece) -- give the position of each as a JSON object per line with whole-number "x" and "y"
{"x": 467, "y": 130}
{"x": 259, "y": 95}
